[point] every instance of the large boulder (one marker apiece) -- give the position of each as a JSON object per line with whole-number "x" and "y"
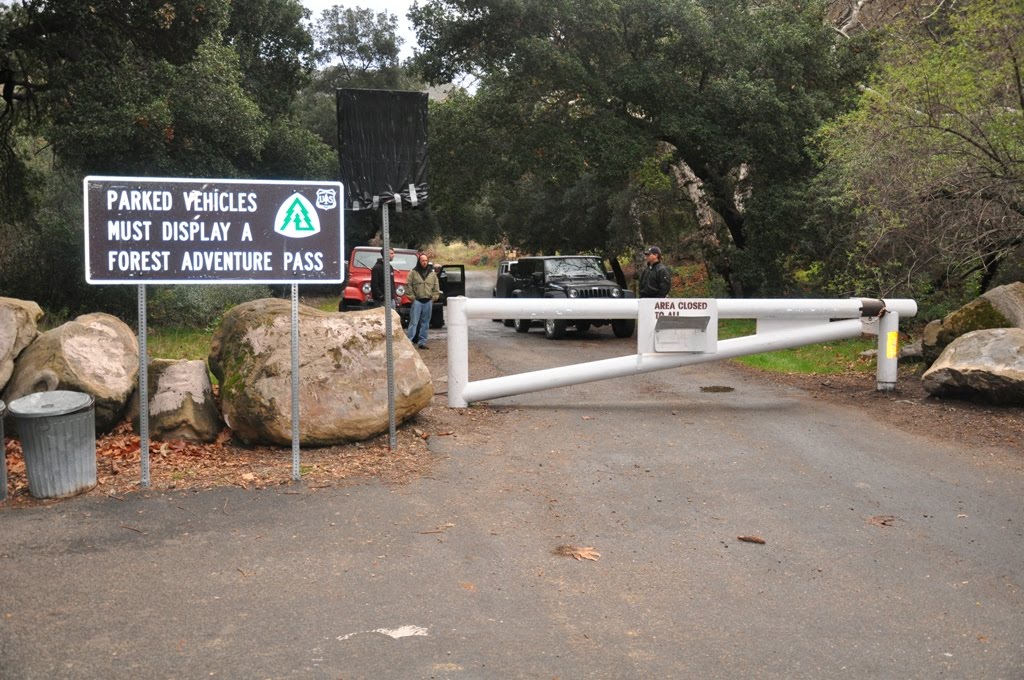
{"x": 181, "y": 403}
{"x": 1008, "y": 300}
{"x": 342, "y": 380}
{"x": 18, "y": 319}
{"x": 96, "y": 354}
{"x": 1001, "y": 307}
{"x": 986, "y": 365}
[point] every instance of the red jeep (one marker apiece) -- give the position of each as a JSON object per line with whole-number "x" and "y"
{"x": 356, "y": 292}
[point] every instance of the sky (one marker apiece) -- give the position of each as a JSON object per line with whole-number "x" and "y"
{"x": 397, "y": 7}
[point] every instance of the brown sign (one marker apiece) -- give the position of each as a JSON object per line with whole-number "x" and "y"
{"x": 148, "y": 230}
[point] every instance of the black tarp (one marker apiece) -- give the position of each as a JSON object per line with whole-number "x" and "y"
{"x": 382, "y": 147}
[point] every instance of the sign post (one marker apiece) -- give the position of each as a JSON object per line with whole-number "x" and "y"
{"x": 141, "y": 230}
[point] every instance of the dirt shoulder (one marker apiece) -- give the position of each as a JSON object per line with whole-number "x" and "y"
{"x": 910, "y": 407}
{"x": 179, "y": 465}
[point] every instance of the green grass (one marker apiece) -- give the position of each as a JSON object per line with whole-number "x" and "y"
{"x": 179, "y": 343}
{"x": 822, "y": 358}
{"x": 327, "y": 304}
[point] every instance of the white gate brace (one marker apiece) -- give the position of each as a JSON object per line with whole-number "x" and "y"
{"x": 781, "y": 324}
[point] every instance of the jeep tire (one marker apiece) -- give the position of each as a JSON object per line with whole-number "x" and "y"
{"x": 521, "y": 325}
{"x": 554, "y": 329}
{"x": 623, "y": 328}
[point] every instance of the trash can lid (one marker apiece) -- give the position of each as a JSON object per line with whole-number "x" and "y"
{"x": 56, "y": 403}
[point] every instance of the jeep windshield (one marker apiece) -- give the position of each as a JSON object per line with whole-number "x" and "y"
{"x": 575, "y": 268}
{"x": 368, "y": 258}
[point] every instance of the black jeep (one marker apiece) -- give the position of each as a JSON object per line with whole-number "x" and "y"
{"x": 573, "y": 276}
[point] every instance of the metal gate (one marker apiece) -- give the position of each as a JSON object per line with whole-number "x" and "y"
{"x": 671, "y": 332}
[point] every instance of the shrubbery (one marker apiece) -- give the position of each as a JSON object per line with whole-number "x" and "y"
{"x": 197, "y": 306}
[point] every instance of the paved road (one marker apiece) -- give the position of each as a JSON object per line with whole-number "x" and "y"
{"x": 886, "y": 555}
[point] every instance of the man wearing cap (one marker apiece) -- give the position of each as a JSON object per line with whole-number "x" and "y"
{"x": 655, "y": 279}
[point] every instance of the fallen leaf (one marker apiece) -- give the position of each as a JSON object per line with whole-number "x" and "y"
{"x": 882, "y": 520}
{"x": 439, "y": 530}
{"x": 248, "y": 477}
{"x": 578, "y": 552}
{"x": 751, "y": 539}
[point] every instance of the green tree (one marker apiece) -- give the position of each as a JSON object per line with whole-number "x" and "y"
{"x": 727, "y": 91}
{"x": 354, "y": 47}
{"x": 133, "y": 87}
{"x": 274, "y": 48}
{"x": 931, "y": 163}
{"x": 359, "y": 44}
{"x": 358, "y": 48}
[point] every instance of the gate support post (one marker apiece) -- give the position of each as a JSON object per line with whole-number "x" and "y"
{"x": 458, "y": 352}
{"x": 887, "y": 364}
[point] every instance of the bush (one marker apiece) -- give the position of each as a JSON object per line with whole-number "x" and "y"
{"x": 197, "y": 306}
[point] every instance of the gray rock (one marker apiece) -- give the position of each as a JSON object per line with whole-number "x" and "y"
{"x": 18, "y": 319}
{"x": 181, "y": 403}
{"x": 96, "y": 354}
{"x": 912, "y": 353}
{"x": 343, "y": 375}
{"x": 985, "y": 366}
{"x": 1001, "y": 307}
{"x": 1008, "y": 300}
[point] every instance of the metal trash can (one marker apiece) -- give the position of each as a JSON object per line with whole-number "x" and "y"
{"x": 58, "y": 438}
{"x": 3, "y": 457}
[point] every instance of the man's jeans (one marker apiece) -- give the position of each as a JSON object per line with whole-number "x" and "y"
{"x": 419, "y": 321}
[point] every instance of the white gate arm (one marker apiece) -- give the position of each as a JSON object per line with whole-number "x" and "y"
{"x": 782, "y": 324}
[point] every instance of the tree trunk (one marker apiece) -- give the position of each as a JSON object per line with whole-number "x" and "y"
{"x": 709, "y": 218}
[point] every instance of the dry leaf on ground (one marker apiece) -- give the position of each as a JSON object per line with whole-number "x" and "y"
{"x": 751, "y": 539}
{"x": 578, "y": 552}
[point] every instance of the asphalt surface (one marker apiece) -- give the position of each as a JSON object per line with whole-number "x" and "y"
{"x": 885, "y": 555}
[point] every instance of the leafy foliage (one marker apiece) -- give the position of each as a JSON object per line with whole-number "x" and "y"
{"x": 134, "y": 87}
{"x": 932, "y": 160}
{"x": 198, "y": 306}
{"x": 274, "y": 49}
{"x": 575, "y": 99}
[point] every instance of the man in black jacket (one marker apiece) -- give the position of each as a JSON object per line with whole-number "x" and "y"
{"x": 655, "y": 279}
{"x": 377, "y": 279}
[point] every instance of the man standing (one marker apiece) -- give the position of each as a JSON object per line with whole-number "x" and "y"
{"x": 377, "y": 278}
{"x": 655, "y": 279}
{"x": 424, "y": 289}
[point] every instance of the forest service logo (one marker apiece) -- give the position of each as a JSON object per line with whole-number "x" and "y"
{"x": 297, "y": 218}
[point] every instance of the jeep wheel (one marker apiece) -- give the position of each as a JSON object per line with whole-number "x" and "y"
{"x": 623, "y": 328}
{"x": 522, "y": 325}
{"x": 554, "y": 329}
{"x": 509, "y": 323}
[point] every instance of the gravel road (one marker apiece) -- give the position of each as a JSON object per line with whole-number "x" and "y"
{"x": 870, "y": 552}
